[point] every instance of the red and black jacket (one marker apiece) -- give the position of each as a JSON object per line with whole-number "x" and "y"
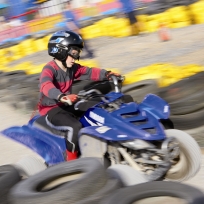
{"x": 54, "y": 81}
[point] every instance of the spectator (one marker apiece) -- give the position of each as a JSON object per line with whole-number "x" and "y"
{"x": 129, "y": 7}
{"x": 73, "y": 25}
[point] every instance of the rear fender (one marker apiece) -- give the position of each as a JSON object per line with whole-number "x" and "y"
{"x": 156, "y": 106}
{"x": 50, "y": 147}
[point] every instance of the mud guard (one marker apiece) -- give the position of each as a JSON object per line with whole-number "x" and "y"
{"x": 156, "y": 106}
{"x": 51, "y": 150}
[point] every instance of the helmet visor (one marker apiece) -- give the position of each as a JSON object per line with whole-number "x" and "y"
{"x": 75, "y": 52}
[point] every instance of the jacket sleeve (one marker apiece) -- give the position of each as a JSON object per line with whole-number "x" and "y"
{"x": 86, "y": 73}
{"x": 46, "y": 83}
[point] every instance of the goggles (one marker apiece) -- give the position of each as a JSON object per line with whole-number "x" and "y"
{"x": 74, "y": 52}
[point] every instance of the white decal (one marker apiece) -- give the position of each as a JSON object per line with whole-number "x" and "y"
{"x": 96, "y": 117}
{"x": 99, "y": 124}
{"x": 66, "y": 34}
{"x": 166, "y": 109}
{"x": 90, "y": 122}
{"x": 121, "y": 135}
{"x": 102, "y": 129}
{"x": 147, "y": 135}
{"x": 61, "y": 33}
{"x": 58, "y": 40}
{"x": 54, "y": 50}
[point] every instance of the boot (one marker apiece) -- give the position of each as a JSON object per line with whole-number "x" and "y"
{"x": 71, "y": 155}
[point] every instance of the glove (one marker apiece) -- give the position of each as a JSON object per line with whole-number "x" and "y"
{"x": 109, "y": 74}
{"x": 69, "y": 99}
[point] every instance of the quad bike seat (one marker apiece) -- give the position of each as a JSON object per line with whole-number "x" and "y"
{"x": 43, "y": 124}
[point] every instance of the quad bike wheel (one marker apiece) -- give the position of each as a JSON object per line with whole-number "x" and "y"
{"x": 189, "y": 161}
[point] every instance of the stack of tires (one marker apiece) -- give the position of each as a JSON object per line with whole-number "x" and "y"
{"x": 86, "y": 181}
{"x": 186, "y": 100}
{"x": 19, "y": 90}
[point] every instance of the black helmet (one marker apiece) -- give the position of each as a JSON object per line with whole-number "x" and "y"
{"x": 62, "y": 42}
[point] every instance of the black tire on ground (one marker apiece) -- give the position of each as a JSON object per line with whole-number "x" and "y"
{"x": 188, "y": 104}
{"x": 39, "y": 188}
{"x": 188, "y": 121}
{"x": 12, "y": 73}
{"x": 111, "y": 186}
{"x": 182, "y": 88}
{"x": 140, "y": 89}
{"x": 6, "y": 79}
{"x": 9, "y": 176}
{"x": 180, "y": 2}
{"x": 29, "y": 105}
{"x": 156, "y": 7}
{"x": 155, "y": 189}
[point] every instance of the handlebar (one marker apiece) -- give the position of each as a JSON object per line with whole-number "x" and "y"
{"x": 82, "y": 95}
{"x": 115, "y": 82}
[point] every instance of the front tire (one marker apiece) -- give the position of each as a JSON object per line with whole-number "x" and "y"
{"x": 190, "y": 157}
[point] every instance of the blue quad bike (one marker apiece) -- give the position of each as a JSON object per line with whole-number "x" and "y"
{"x": 129, "y": 133}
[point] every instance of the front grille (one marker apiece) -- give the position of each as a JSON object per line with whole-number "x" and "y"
{"x": 141, "y": 122}
{"x": 130, "y": 115}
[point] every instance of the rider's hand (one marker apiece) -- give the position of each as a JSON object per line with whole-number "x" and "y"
{"x": 109, "y": 74}
{"x": 70, "y": 99}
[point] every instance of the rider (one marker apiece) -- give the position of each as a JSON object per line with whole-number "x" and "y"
{"x": 56, "y": 81}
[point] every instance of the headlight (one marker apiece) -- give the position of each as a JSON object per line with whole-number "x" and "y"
{"x": 137, "y": 144}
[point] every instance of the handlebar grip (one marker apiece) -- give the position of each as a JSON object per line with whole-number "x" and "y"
{"x": 66, "y": 102}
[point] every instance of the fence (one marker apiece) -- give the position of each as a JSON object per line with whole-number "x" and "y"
{"x": 51, "y": 13}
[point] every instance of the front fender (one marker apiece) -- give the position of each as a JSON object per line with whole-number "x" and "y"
{"x": 51, "y": 148}
{"x": 156, "y": 106}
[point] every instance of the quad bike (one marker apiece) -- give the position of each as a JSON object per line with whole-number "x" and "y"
{"x": 129, "y": 133}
